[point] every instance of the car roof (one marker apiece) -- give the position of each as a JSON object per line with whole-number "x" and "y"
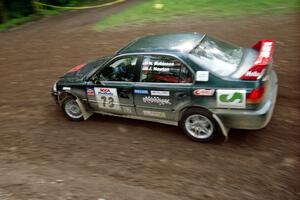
{"x": 182, "y": 42}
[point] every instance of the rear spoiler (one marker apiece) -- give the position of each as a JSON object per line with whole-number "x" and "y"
{"x": 264, "y": 58}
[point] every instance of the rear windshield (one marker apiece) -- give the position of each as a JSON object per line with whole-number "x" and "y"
{"x": 217, "y": 56}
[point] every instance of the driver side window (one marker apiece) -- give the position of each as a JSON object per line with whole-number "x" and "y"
{"x": 120, "y": 70}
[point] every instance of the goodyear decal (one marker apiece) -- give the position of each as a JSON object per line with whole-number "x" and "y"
{"x": 231, "y": 98}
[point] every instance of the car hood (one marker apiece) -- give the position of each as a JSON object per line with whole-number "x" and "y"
{"x": 81, "y": 71}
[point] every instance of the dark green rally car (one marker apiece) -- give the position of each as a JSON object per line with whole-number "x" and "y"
{"x": 204, "y": 85}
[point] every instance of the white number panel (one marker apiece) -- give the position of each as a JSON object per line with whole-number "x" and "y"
{"x": 107, "y": 98}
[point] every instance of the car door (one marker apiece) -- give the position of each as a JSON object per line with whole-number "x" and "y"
{"x": 111, "y": 88}
{"x": 164, "y": 86}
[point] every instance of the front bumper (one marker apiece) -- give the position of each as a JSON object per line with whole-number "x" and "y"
{"x": 252, "y": 119}
{"x": 55, "y": 96}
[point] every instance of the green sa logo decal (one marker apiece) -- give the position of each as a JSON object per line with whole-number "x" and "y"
{"x": 231, "y": 98}
{"x": 226, "y": 98}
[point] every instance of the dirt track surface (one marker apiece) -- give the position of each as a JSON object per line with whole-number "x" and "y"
{"x": 44, "y": 156}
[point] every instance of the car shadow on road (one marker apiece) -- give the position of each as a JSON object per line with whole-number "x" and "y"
{"x": 134, "y": 124}
{"x": 152, "y": 129}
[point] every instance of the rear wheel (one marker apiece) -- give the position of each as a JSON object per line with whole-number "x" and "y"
{"x": 199, "y": 125}
{"x": 72, "y": 109}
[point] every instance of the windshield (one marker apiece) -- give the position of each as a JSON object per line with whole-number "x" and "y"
{"x": 217, "y": 56}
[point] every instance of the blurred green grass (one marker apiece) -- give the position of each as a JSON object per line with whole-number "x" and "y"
{"x": 21, "y": 20}
{"x": 14, "y": 22}
{"x": 44, "y": 12}
{"x": 146, "y": 11}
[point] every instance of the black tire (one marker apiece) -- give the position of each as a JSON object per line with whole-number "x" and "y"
{"x": 212, "y": 126}
{"x": 67, "y": 101}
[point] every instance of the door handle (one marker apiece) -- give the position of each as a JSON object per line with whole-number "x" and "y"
{"x": 125, "y": 94}
{"x": 180, "y": 94}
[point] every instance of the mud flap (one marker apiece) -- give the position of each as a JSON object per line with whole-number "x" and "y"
{"x": 84, "y": 112}
{"x": 223, "y": 128}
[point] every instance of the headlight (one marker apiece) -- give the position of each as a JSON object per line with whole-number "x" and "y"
{"x": 54, "y": 87}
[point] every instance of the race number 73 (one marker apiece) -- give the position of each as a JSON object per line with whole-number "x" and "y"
{"x": 107, "y": 98}
{"x": 107, "y": 101}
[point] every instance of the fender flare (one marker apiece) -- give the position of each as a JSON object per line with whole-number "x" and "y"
{"x": 223, "y": 128}
{"x": 86, "y": 114}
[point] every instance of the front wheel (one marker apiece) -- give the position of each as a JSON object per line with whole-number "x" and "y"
{"x": 71, "y": 109}
{"x": 199, "y": 125}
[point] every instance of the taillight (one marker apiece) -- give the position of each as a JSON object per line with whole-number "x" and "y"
{"x": 256, "y": 95}
{"x": 266, "y": 49}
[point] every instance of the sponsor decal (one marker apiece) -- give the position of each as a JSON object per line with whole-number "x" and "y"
{"x": 160, "y": 93}
{"x": 105, "y": 91}
{"x": 141, "y": 91}
{"x": 161, "y": 69}
{"x": 253, "y": 74}
{"x": 156, "y": 100}
{"x": 154, "y": 114}
{"x": 107, "y": 98}
{"x": 202, "y": 76}
{"x": 204, "y": 92}
{"x": 157, "y": 69}
{"x": 231, "y": 98}
{"x": 66, "y": 88}
{"x": 90, "y": 92}
{"x": 164, "y": 64}
{"x": 158, "y": 63}
{"x": 267, "y": 47}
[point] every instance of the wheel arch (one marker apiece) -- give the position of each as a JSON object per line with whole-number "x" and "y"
{"x": 222, "y": 126}
{"x": 180, "y": 113}
{"x": 66, "y": 94}
{"x": 63, "y": 95}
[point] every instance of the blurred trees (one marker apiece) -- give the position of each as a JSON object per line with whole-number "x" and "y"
{"x": 11, "y": 9}
{"x": 3, "y": 15}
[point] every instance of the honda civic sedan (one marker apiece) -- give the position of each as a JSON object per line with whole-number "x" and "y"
{"x": 202, "y": 84}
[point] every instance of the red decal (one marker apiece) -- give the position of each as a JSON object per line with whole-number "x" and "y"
{"x": 105, "y": 90}
{"x": 204, "y": 92}
{"x": 90, "y": 92}
{"x": 74, "y": 69}
{"x": 266, "y": 50}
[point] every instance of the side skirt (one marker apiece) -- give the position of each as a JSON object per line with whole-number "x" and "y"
{"x": 162, "y": 121}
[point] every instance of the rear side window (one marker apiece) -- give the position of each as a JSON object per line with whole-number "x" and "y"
{"x": 217, "y": 56}
{"x": 164, "y": 69}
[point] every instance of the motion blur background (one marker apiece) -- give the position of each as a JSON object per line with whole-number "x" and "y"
{"x": 45, "y": 156}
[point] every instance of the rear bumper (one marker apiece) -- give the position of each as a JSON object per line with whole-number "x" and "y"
{"x": 248, "y": 119}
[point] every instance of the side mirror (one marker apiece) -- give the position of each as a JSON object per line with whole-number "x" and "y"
{"x": 95, "y": 79}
